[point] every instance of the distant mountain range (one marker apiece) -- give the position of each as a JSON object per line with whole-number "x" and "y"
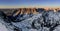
{"x": 27, "y": 10}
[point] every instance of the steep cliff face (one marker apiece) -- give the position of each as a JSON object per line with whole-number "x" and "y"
{"x": 26, "y": 11}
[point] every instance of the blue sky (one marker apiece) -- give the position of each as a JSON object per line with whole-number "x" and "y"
{"x": 30, "y": 2}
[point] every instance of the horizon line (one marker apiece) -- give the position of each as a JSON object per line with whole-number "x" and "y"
{"x": 29, "y": 6}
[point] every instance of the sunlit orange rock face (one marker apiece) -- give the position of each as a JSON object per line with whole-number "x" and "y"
{"x": 27, "y": 11}
{"x": 55, "y": 9}
{"x": 33, "y": 10}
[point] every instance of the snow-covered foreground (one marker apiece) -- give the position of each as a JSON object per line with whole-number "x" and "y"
{"x": 3, "y": 27}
